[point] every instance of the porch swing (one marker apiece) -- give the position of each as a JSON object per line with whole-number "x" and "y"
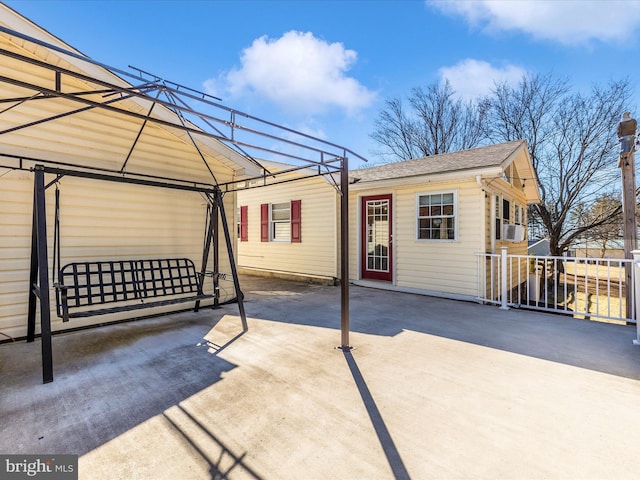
{"x": 126, "y": 285}
{"x": 91, "y": 288}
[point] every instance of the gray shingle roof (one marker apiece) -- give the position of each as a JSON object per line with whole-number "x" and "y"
{"x": 482, "y": 157}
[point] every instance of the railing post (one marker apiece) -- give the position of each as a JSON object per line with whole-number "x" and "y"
{"x": 503, "y": 278}
{"x": 636, "y": 284}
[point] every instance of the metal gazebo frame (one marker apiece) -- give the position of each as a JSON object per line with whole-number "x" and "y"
{"x": 219, "y": 122}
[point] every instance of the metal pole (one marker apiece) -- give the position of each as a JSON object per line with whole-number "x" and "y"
{"x": 209, "y": 226}
{"x": 627, "y": 134}
{"x": 33, "y": 272}
{"x": 43, "y": 277}
{"x": 216, "y": 255}
{"x": 232, "y": 260}
{"x": 344, "y": 254}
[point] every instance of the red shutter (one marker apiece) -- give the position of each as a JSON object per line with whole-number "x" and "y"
{"x": 296, "y": 221}
{"x": 264, "y": 222}
{"x": 244, "y": 225}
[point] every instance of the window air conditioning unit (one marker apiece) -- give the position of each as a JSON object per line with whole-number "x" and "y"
{"x": 512, "y": 233}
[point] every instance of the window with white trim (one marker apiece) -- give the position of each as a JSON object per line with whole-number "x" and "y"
{"x": 498, "y": 217}
{"x": 280, "y": 222}
{"x": 506, "y": 210}
{"x": 437, "y": 216}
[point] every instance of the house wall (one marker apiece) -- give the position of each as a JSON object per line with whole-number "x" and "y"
{"x": 433, "y": 266}
{"x": 511, "y": 190}
{"x": 597, "y": 252}
{"x": 317, "y": 253}
{"x": 440, "y": 267}
{"x": 99, "y": 221}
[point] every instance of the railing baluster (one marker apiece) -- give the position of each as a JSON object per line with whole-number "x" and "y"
{"x": 622, "y": 267}
{"x": 597, "y": 280}
{"x": 520, "y": 271}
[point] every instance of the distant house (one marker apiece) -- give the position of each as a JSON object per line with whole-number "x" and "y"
{"x": 414, "y": 225}
{"x": 539, "y": 248}
{"x": 591, "y": 249}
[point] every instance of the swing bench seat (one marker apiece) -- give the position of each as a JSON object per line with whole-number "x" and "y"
{"x": 126, "y": 285}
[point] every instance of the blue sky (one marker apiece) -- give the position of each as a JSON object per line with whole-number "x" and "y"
{"x": 326, "y": 67}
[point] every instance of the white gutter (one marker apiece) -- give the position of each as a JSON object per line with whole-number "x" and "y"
{"x": 423, "y": 179}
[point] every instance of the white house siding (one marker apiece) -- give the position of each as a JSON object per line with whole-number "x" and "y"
{"x": 443, "y": 267}
{"x": 440, "y": 266}
{"x": 431, "y": 266}
{"x": 99, "y": 221}
{"x": 317, "y": 253}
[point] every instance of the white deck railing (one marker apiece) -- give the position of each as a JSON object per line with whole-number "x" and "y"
{"x": 591, "y": 288}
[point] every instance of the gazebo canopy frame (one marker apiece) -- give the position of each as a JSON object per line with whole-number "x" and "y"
{"x": 195, "y": 114}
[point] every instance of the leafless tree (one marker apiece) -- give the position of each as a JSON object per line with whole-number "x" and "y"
{"x": 606, "y": 213}
{"x": 438, "y": 122}
{"x": 571, "y": 137}
{"x": 573, "y": 147}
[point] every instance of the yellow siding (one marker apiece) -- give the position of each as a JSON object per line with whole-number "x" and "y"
{"x": 100, "y": 221}
{"x": 440, "y": 266}
{"x": 317, "y": 254}
{"x": 513, "y": 193}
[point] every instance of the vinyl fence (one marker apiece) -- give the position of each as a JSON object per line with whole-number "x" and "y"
{"x": 589, "y": 288}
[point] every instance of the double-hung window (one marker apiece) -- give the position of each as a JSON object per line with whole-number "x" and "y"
{"x": 280, "y": 222}
{"x": 437, "y": 216}
{"x": 503, "y": 215}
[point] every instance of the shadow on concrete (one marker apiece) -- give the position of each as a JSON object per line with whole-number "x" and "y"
{"x": 586, "y": 344}
{"x": 107, "y": 381}
{"x": 388, "y": 446}
{"x": 216, "y": 348}
{"x": 221, "y": 460}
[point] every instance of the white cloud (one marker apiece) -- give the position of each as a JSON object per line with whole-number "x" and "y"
{"x": 298, "y": 72}
{"x": 473, "y": 78}
{"x": 568, "y": 22}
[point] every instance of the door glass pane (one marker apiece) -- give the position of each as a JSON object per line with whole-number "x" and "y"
{"x": 377, "y": 248}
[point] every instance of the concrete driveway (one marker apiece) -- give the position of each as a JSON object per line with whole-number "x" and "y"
{"x": 435, "y": 389}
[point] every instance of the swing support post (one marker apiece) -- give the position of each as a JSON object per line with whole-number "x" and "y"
{"x": 39, "y": 284}
{"x": 39, "y": 277}
{"x": 232, "y": 262}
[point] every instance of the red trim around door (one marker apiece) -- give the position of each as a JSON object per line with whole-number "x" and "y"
{"x": 376, "y": 259}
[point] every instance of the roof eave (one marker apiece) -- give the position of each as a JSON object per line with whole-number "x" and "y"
{"x": 469, "y": 174}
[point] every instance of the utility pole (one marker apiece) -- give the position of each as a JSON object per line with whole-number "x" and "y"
{"x": 627, "y": 136}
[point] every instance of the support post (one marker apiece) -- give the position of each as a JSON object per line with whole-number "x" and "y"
{"x": 636, "y": 275}
{"x": 503, "y": 279}
{"x": 42, "y": 289}
{"x": 232, "y": 261}
{"x": 216, "y": 254}
{"x": 344, "y": 254}
{"x": 208, "y": 238}
{"x": 33, "y": 272}
{"x": 627, "y": 135}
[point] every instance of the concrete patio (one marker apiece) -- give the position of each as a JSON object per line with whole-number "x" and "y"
{"x": 434, "y": 389}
